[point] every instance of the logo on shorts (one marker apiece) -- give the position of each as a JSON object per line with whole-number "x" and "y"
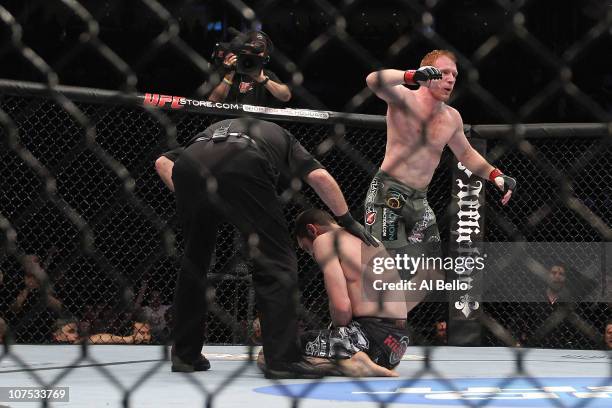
{"x": 395, "y": 199}
{"x": 370, "y": 218}
{"x": 374, "y": 185}
{"x": 390, "y": 225}
{"x": 316, "y": 347}
{"x": 398, "y": 348}
{"x": 416, "y": 237}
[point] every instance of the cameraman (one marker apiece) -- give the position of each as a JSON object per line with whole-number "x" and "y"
{"x": 239, "y": 88}
{"x": 252, "y": 86}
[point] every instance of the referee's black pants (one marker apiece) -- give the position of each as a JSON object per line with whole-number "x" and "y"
{"x": 232, "y": 181}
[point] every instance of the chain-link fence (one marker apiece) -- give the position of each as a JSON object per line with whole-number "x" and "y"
{"x": 80, "y": 201}
{"x": 91, "y": 191}
{"x": 142, "y": 275}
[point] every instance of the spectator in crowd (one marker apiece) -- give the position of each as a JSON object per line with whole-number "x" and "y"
{"x": 141, "y": 332}
{"x": 66, "y": 331}
{"x": 608, "y": 336}
{"x": 105, "y": 318}
{"x": 33, "y": 275}
{"x": 556, "y": 289}
{"x": 3, "y": 329}
{"x": 155, "y": 313}
{"x": 36, "y": 306}
{"x": 84, "y": 327}
{"x": 255, "y": 338}
{"x": 97, "y": 317}
{"x": 440, "y": 337}
{"x": 165, "y": 335}
{"x": 554, "y": 321}
{"x": 257, "y": 86}
{"x": 107, "y": 321}
{"x": 89, "y": 316}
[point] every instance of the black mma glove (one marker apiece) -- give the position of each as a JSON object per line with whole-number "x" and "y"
{"x": 424, "y": 74}
{"x": 352, "y": 226}
{"x": 509, "y": 182}
{"x": 505, "y": 183}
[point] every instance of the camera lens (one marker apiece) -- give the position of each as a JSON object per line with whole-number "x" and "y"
{"x": 248, "y": 62}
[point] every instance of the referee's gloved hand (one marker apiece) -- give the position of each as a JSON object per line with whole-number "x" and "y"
{"x": 355, "y": 228}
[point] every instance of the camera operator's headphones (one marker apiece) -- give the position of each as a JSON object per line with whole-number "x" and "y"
{"x": 258, "y": 35}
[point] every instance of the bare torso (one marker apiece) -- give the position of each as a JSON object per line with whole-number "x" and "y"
{"x": 412, "y": 155}
{"x": 351, "y": 252}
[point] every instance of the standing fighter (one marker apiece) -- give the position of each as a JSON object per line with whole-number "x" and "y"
{"x": 419, "y": 125}
{"x": 230, "y": 172}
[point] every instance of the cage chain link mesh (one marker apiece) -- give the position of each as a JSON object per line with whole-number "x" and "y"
{"x": 83, "y": 210}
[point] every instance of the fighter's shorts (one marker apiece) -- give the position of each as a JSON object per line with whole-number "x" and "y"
{"x": 383, "y": 340}
{"x": 400, "y": 216}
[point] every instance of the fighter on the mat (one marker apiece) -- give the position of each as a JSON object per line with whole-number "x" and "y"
{"x": 369, "y": 334}
{"x": 419, "y": 125}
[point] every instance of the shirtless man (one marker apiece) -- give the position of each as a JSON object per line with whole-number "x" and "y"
{"x": 419, "y": 125}
{"x": 369, "y": 335}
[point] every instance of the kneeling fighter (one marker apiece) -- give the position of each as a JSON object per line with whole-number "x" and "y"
{"x": 369, "y": 334}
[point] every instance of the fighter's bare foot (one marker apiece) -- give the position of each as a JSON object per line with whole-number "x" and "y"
{"x": 360, "y": 365}
{"x": 261, "y": 361}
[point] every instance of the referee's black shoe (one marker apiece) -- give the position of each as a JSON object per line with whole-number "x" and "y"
{"x": 298, "y": 369}
{"x": 180, "y": 366}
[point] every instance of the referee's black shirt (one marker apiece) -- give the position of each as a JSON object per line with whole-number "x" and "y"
{"x": 286, "y": 156}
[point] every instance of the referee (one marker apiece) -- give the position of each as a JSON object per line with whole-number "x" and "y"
{"x": 230, "y": 172}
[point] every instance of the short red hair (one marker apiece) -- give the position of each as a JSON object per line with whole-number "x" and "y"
{"x": 431, "y": 57}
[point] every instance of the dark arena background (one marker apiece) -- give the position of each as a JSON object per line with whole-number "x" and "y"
{"x": 90, "y": 97}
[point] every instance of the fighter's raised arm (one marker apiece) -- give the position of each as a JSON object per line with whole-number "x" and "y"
{"x": 388, "y": 84}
